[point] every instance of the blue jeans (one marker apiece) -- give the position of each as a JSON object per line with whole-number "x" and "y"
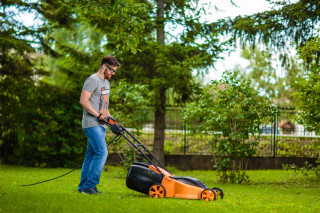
{"x": 95, "y": 157}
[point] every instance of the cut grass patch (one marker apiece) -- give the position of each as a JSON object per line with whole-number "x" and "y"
{"x": 269, "y": 191}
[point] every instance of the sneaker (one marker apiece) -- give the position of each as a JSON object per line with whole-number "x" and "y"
{"x": 98, "y": 191}
{"x": 90, "y": 191}
{"x": 95, "y": 188}
{"x": 80, "y": 191}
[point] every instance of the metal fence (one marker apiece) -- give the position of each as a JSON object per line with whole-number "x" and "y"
{"x": 283, "y": 138}
{"x": 286, "y": 137}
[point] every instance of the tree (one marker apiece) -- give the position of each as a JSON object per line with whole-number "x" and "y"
{"x": 308, "y": 92}
{"x": 128, "y": 27}
{"x": 121, "y": 21}
{"x": 285, "y": 25}
{"x": 33, "y": 113}
{"x": 37, "y": 120}
{"x": 136, "y": 33}
{"x": 308, "y": 88}
{"x": 289, "y": 24}
{"x": 83, "y": 44}
{"x": 269, "y": 77}
{"x": 233, "y": 112}
{"x": 17, "y": 69}
{"x": 167, "y": 66}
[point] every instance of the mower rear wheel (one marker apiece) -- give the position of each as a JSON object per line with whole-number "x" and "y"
{"x": 208, "y": 195}
{"x": 219, "y": 192}
{"x": 157, "y": 191}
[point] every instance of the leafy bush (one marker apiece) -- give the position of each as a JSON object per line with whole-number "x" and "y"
{"x": 125, "y": 101}
{"x": 48, "y": 125}
{"x": 230, "y": 110}
{"x": 306, "y": 169}
{"x": 50, "y": 134}
{"x": 308, "y": 88}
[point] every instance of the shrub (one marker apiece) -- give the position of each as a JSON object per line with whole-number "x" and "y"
{"x": 230, "y": 110}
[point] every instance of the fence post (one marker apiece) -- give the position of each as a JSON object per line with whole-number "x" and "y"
{"x": 185, "y": 138}
{"x": 275, "y": 133}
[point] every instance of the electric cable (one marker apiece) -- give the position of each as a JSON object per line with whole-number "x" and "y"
{"x": 53, "y": 178}
{"x": 115, "y": 139}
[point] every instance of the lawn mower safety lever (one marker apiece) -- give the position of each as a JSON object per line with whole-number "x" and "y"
{"x": 116, "y": 129}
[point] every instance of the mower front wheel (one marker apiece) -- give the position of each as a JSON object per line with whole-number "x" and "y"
{"x": 208, "y": 195}
{"x": 157, "y": 191}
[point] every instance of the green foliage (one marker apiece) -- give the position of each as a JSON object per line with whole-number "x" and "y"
{"x": 125, "y": 101}
{"x": 19, "y": 73}
{"x": 50, "y": 135}
{"x": 40, "y": 116}
{"x": 166, "y": 62}
{"x": 176, "y": 62}
{"x": 308, "y": 88}
{"x": 72, "y": 36}
{"x": 161, "y": 69}
{"x": 125, "y": 154}
{"x": 79, "y": 51}
{"x": 286, "y": 24}
{"x": 264, "y": 73}
{"x": 306, "y": 169}
{"x": 122, "y": 20}
{"x": 40, "y": 126}
{"x": 39, "y": 122}
{"x": 83, "y": 43}
{"x": 230, "y": 110}
{"x": 308, "y": 91}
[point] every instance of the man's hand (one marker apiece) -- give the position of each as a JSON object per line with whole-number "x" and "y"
{"x": 104, "y": 119}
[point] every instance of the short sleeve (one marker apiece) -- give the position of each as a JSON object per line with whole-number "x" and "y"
{"x": 89, "y": 85}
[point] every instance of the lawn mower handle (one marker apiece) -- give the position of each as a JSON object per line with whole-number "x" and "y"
{"x": 118, "y": 129}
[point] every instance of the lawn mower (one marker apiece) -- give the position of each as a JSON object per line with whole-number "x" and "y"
{"x": 154, "y": 179}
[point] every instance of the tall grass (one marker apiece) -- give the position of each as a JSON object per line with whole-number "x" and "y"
{"x": 269, "y": 191}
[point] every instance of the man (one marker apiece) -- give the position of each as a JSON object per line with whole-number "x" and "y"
{"x": 95, "y": 102}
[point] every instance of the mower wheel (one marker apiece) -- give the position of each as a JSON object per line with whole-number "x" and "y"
{"x": 208, "y": 195}
{"x": 219, "y": 192}
{"x": 157, "y": 191}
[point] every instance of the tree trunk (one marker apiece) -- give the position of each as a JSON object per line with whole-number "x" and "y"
{"x": 160, "y": 96}
{"x": 159, "y": 127}
{"x": 160, "y": 21}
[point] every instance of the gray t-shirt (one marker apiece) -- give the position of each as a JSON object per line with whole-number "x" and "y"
{"x": 99, "y": 99}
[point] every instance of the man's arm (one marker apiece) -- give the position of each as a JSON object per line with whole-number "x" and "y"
{"x": 85, "y": 103}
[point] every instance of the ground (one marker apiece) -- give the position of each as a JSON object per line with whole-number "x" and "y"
{"x": 269, "y": 191}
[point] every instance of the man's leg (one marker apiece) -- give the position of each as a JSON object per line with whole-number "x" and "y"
{"x": 97, "y": 141}
{"x": 85, "y": 166}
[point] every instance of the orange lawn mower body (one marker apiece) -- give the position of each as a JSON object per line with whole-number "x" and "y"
{"x": 157, "y": 181}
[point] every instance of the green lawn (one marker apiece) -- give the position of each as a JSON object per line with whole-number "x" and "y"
{"x": 270, "y": 191}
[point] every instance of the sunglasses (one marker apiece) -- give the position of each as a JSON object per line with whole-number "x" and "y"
{"x": 111, "y": 69}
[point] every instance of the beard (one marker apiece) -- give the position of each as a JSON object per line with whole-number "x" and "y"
{"x": 106, "y": 75}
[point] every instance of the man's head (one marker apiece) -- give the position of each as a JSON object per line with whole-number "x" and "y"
{"x": 109, "y": 65}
